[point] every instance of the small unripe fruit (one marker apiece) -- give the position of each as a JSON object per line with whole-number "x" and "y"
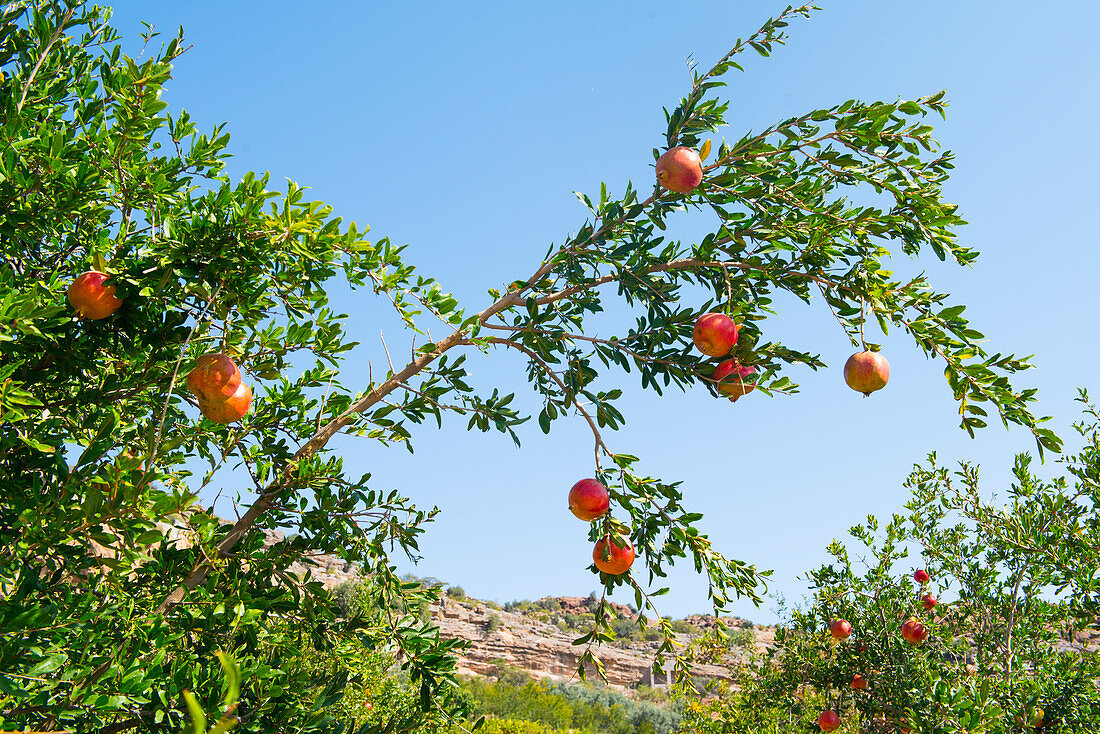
{"x": 1036, "y": 719}
{"x": 215, "y": 376}
{"x": 228, "y": 409}
{"x": 859, "y": 682}
{"x": 828, "y": 721}
{"x": 840, "y": 629}
{"x": 613, "y": 559}
{"x": 91, "y": 297}
{"x": 866, "y": 372}
{"x": 928, "y": 601}
{"x": 913, "y": 631}
{"x": 714, "y": 334}
{"x": 588, "y": 499}
{"x": 921, "y": 576}
{"x": 679, "y": 169}
{"x": 731, "y": 378}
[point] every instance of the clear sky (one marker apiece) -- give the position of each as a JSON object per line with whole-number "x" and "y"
{"x": 463, "y": 128}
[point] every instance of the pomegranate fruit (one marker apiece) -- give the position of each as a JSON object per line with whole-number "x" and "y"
{"x": 866, "y": 372}
{"x": 679, "y": 169}
{"x": 92, "y": 297}
{"x": 611, "y": 558}
{"x": 913, "y": 631}
{"x": 731, "y": 379}
{"x": 840, "y": 629}
{"x": 588, "y": 499}
{"x": 714, "y": 334}
{"x": 215, "y": 376}
{"x": 228, "y": 409}
{"x": 828, "y": 721}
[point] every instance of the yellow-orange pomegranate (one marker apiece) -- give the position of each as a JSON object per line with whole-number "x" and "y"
{"x": 228, "y": 409}
{"x": 215, "y": 376}
{"x": 92, "y": 297}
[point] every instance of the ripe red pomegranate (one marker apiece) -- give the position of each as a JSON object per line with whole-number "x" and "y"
{"x": 714, "y": 334}
{"x": 840, "y": 629}
{"x": 828, "y": 721}
{"x": 679, "y": 169}
{"x": 731, "y": 378}
{"x": 913, "y": 631}
{"x": 611, "y": 558}
{"x": 92, "y": 297}
{"x": 921, "y": 576}
{"x": 859, "y": 682}
{"x": 588, "y": 499}
{"x": 928, "y": 601}
{"x": 866, "y": 372}
{"x": 228, "y": 409}
{"x": 215, "y": 376}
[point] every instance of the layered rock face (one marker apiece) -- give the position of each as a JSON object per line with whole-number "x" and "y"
{"x": 541, "y": 650}
{"x": 545, "y": 651}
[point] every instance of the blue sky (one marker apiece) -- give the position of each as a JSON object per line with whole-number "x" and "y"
{"x": 463, "y": 129}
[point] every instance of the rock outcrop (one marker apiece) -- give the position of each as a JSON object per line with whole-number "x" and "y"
{"x": 542, "y": 650}
{"x": 545, "y": 651}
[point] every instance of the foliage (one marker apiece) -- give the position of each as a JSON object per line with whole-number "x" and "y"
{"x": 576, "y": 706}
{"x": 1014, "y": 581}
{"x": 107, "y": 620}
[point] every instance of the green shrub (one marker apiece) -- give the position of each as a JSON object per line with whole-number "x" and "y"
{"x": 744, "y": 637}
{"x": 351, "y": 597}
{"x": 606, "y": 710}
{"x": 568, "y": 706}
{"x": 494, "y": 725}
{"x": 572, "y": 621}
{"x": 626, "y": 630}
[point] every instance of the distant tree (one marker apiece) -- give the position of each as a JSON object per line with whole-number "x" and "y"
{"x": 1012, "y": 579}
{"x": 106, "y": 621}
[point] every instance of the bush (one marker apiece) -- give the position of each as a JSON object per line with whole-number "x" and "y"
{"x": 577, "y": 706}
{"x": 626, "y": 630}
{"x": 494, "y": 725}
{"x": 744, "y": 637}
{"x": 606, "y": 710}
{"x": 493, "y": 624}
{"x": 352, "y": 598}
{"x": 456, "y": 592}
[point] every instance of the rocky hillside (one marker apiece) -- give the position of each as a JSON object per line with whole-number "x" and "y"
{"x": 537, "y": 637}
{"x": 530, "y": 642}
